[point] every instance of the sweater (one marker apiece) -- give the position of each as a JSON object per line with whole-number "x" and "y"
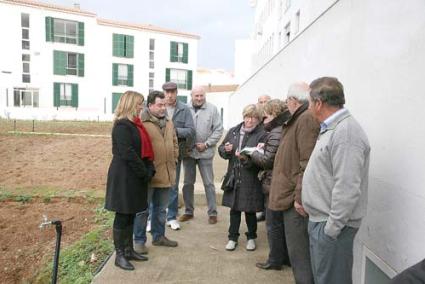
{"x": 335, "y": 181}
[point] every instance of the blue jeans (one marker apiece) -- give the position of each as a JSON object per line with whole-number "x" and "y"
{"x": 173, "y": 201}
{"x": 158, "y": 200}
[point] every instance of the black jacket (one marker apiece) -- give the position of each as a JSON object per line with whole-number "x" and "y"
{"x": 247, "y": 195}
{"x": 128, "y": 174}
{"x": 271, "y": 143}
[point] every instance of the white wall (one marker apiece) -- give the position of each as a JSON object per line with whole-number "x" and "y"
{"x": 377, "y": 50}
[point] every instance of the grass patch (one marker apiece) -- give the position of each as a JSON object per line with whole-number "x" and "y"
{"x": 75, "y": 265}
{"x": 23, "y": 198}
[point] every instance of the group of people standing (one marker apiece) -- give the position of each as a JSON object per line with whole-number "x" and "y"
{"x": 302, "y": 162}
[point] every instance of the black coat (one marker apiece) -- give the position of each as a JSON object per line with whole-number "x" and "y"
{"x": 128, "y": 174}
{"x": 246, "y": 195}
{"x": 271, "y": 143}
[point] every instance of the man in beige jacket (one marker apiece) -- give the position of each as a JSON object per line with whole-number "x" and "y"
{"x": 166, "y": 151}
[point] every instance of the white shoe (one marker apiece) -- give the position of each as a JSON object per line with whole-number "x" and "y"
{"x": 174, "y": 224}
{"x": 148, "y": 226}
{"x": 231, "y": 245}
{"x": 250, "y": 245}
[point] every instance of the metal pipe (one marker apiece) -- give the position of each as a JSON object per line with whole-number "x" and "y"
{"x": 58, "y": 227}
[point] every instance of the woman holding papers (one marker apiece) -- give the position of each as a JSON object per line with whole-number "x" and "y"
{"x": 242, "y": 186}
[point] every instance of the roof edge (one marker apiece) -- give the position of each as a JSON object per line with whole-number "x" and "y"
{"x": 47, "y": 6}
{"x": 152, "y": 28}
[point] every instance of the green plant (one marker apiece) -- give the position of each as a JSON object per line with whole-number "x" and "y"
{"x": 23, "y": 198}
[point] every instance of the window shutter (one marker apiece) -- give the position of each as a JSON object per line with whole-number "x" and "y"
{"x": 56, "y": 94}
{"x": 114, "y": 74}
{"x": 74, "y": 97}
{"x": 115, "y": 99}
{"x": 49, "y": 29}
{"x": 115, "y": 44}
{"x": 59, "y": 62}
{"x": 80, "y": 33}
{"x": 130, "y": 46}
{"x": 167, "y": 74}
{"x": 130, "y": 75}
{"x": 182, "y": 99}
{"x": 185, "y": 53}
{"x": 189, "y": 79}
{"x": 80, "y": 65}
{"x": 173, "y": 51}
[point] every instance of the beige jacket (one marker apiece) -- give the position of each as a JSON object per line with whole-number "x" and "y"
{"x": 165, "y": 148}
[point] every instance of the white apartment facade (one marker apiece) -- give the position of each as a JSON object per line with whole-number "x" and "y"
{"x": 65, "y": 63}
{"x": 376, "y": 49}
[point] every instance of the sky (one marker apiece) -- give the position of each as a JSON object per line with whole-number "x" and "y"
{"x": 218, "y": 22}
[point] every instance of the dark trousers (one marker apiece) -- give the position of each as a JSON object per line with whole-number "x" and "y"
{"x": 297, "y": 239}
{"x": 123, "y": 221}
{"x": 235, "y": 222}
{"x": 278, "y": 254}
{"x": 331, "y": 259}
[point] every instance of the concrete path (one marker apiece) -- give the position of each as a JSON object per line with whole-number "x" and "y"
{"x": 200, "y": 257}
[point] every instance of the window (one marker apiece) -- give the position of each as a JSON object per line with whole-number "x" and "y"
{"x": 65, "y": 31}
{"x": 179, "y": 52}
{"x": 25, "y": 34}
{"x": 25, "y": 44}
{"x": 297, "y": 23}
{"x": 25, "y": 97}
{"x": 71, "y": 68}
{"x": 65, "y": 94}
{"x": 151, "y": 53}
{"x": 26, "y": 77}
{"x": 151, "y": 80}
{"x": 122, "y": 45}
{"x": 25, "y": 67}
{"x": 122, "y": 74}
{"x": 68, "y": 63}
{"x": 115, "y": 99}
{"x": 287, "y": 5}
{"x": 183, "y": 78}
{"x": 25, "y": 20}
{"x": 287, "y": 34}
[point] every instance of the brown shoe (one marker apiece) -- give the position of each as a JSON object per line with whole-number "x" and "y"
{"x": 212, "y": 220}
{"x": 185, "y": 217}
{"x": 164, "y": 242}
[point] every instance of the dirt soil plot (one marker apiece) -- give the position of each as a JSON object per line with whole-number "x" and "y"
{"x": 23, "y": 245}
{"x": 59, "y": 162}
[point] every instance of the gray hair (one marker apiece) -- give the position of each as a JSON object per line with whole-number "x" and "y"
{"x": 299, "y": 91}
{"x": 328, "y": 90}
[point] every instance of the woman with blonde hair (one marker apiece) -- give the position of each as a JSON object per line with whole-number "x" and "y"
{"x": 242, "y": 188}
{"x": 130, "y": 171}
{"x": 275, "y": 115}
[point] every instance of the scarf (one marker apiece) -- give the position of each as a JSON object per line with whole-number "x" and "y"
{"x": 242, "y": 133}
{"x": 147, "y": 149}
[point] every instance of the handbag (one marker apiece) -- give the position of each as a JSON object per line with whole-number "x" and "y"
{"x": 228, "y": 181}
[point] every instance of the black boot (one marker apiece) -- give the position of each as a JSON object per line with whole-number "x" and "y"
{"x": 129, "y": 251}
{"x": 119, "y": 242}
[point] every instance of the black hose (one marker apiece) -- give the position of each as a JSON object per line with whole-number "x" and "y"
{"x": 58, "y": 225}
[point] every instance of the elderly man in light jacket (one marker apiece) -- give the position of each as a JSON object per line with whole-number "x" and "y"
{"x": 209, "y": 130}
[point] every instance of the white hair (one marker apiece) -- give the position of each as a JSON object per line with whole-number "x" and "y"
{"x": 299, "y": 91}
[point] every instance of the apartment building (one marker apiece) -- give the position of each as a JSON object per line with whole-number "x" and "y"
{"x": 66, "y": 63}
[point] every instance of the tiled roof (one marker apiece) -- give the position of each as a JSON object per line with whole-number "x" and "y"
{"x": 144, "y": 27}
{"x": 48, "y": 6}
{"x": 220, "y": 88}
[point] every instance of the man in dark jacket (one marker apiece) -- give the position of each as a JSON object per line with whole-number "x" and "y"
{"x": 185, "y": 130}
{"x": 299, "y": 136}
